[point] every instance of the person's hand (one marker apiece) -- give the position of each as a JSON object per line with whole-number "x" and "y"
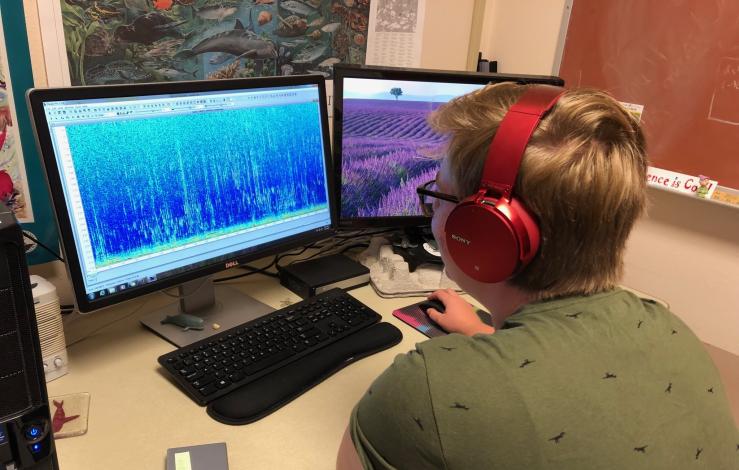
{"x": 459, "y": 316}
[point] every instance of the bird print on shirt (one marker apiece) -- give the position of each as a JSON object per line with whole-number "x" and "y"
{"x": 557, "y": 438}
{"x": 698, "y": 453}
{"x": 573, "y": 315}
{"x": 669, "y": 388}
{"x": 525, "y": 363}
{"x": 609, "y": 376}
{"x": 642, "y": 449}
{"x": 418, "y": 422}
{"x": 459, "y": 406}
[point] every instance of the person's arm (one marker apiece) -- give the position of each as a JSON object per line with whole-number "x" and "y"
{"x": 459, "y": 316}
{"x": 347, "y": 459}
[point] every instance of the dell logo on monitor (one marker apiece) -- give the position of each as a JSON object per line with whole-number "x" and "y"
{"x": 460, "y": 239}
{"x": 232, "y": 264}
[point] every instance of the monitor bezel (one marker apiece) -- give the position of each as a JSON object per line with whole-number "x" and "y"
{"x": 343, "y": 71}
{"x": 36, "y": 98}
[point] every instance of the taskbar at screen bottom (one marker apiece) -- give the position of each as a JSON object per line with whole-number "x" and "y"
{"x": 134, "y": 281}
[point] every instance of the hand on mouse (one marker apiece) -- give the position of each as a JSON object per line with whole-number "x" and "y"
{"x": 459, "y": 315}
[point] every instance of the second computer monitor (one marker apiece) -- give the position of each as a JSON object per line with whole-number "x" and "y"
{"x": 383, "y": 146}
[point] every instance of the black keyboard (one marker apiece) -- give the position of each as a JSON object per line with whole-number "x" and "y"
{"x": 217, "y": 365}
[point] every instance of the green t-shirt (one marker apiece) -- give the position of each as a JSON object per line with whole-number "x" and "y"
{"x": 608, "y": 381}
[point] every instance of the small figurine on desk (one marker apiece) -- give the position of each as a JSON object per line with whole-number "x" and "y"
{"x": 186, "y": 321}
{"x": 703, "y": 186}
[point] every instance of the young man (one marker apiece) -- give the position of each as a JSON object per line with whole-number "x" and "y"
{"x": 576, "y": 373}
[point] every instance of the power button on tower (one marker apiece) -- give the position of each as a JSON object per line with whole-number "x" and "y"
{"x": 33, "y": 432}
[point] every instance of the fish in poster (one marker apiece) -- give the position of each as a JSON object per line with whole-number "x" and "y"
{"x": 239, "y": 42}
{"x": 120, "y": 71}
{"x": 310, "y": 54}
{"x": 297, "y": 8}
{"x": 163, "y": 4}
{"x": 115, "y": 41}
{"x": 148, "y": 28}
{"x": 291, "y": 26}
{"x": 217, "y": 12}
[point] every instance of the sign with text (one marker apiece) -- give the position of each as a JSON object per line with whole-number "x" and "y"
{"x": 701, "y": 185}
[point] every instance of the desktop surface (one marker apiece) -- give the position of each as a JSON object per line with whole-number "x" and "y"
{"x": 137, "y": 412}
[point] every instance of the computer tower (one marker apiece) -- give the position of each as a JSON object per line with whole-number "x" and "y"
{"x": 26, "y": 439}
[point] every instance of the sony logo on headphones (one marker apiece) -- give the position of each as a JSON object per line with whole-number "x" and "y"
{"x": 461, "y": 239}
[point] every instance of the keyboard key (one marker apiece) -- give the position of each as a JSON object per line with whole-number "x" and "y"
{"x": 208, "y": 390}
{"x": 267, "y": 362}
{"x": 203, "y": 381}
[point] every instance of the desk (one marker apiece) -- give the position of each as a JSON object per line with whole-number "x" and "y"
{"x": 136, "y": 413}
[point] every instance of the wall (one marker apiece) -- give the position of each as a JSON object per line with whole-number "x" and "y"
{"x": 685, "y": 251}
{"x": 522, "y": 35}
{"x": 446, "y": 34}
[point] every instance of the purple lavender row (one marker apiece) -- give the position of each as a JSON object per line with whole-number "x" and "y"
{"x": 400, "y": 201}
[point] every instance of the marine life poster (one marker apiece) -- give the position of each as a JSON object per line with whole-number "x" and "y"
{"x": 129, "y": 41}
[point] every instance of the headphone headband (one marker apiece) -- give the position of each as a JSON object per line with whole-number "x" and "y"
{"x": 512, "y": 137}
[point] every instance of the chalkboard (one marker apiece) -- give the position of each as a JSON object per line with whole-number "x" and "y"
{"x": 677, "y": 58}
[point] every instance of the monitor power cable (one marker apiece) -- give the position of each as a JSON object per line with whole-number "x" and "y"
{"x": 38, "y": 242}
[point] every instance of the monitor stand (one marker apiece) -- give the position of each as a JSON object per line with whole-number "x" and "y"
{"x": 220, "y": 307}
{"x": 417, "y": 247}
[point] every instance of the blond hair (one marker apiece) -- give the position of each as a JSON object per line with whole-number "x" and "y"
{"x": 583, "y": 175}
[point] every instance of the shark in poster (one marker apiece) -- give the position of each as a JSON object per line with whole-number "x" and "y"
{"x": 129, "y": 41}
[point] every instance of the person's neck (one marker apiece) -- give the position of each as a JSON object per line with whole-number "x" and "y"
{"x": 501, "y": 299}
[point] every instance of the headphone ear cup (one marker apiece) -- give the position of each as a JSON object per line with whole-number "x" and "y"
{"x": 490, "y": 240}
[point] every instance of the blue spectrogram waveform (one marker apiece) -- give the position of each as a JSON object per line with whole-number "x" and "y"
{"x": 158, "y": 183}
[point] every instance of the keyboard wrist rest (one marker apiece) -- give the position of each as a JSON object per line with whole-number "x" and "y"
{"x": 258, "y": 399}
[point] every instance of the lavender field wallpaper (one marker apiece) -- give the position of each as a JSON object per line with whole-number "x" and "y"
{"x": 388, "y": 149}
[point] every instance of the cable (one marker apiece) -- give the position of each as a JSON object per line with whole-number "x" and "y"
{"x": 36, "y": 241}
{"x": 263, "y": 271}
{"x": 364, "y": 233}
{"x": 253, "y": 270}
{"x": 356, "y": 245}
{"x": 305, "y": 248}
{"x": 179, "y": 296}
{"x": 96, "y": 331}
{"x": 323, "y": 247}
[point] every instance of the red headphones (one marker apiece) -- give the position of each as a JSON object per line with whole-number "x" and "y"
{"x": 491, "y": 235}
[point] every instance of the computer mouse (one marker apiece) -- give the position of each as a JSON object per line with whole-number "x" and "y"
{"x": 432, "y": 303}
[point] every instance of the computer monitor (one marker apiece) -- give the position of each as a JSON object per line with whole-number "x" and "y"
{"x": 159, "y": 185}
{"x": 383, "y": 147}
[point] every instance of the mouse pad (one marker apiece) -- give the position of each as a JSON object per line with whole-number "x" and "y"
{"x": 413, "y": 315}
